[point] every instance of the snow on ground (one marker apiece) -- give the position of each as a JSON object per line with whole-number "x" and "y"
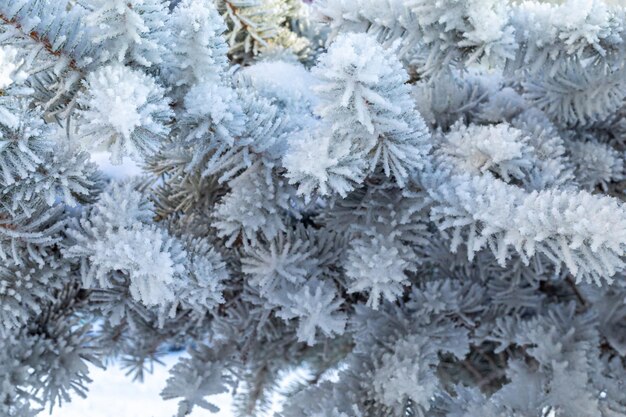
{"x": 128, "y": 168}
{"x": 113, "y": 394}
{"x": 270, "y": 77}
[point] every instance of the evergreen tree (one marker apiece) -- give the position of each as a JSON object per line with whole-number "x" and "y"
{"x": 417, "y": 205}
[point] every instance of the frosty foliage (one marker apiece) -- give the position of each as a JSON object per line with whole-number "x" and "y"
{"x": 597, "y": 164}
{"x": 195, "y": 43}
{"x": 368, "y": 121}
{"x": 127, "y": 30}
{"x": 117, "y": 235}
{"x": 500, "y": 149}
{"x": 128, "y": 120}
{"x": 316, "y": 306}
{"x": 196, "y": 377}
{"x": 363, "y": 207}
{"x": 377, "y": 264}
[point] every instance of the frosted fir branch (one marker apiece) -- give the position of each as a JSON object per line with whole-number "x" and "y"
{"x": 379, "y": 265}
{"x": 107, "y": 240}
{"x": 552, "y": 223}
{"x": 594, "y": 31}
{"x": 283, "y": 263}
{"x": 388, "y": 20}
{"x": 433, "y": 35}
{"x": 315, "y": 306}
{"x": 368, "y": 117}
{"x": 127, "y": 120}
{"x": 128, "y": 30}
{"x": 31, "y": 236}
{"x": 254, "y": 209}
{"x": 23, "y": 291}
{"x": 414, "y": 220}
{"x": 53, "y": 46}
{"x": 597, "y": 164}
{"x": 499, "y": 149}
{"x": 195, "y": 46}
{"x": 201, "y": 375}
{"x": 598, "y": 93}
{"x": 37, "y": 38}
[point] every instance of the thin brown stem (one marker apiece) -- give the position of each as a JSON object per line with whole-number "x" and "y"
{"x": 576, "y": 291}
{"x": 36, "y": 37}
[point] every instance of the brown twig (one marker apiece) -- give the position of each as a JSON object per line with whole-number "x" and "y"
{"x": 36, "y": 37}
{"x": 576, "y": 291}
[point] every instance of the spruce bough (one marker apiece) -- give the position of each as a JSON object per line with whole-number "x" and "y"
{"x": 410, "y": 207}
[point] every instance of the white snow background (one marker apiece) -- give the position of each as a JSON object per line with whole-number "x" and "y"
{"x": 113, "y": 394}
